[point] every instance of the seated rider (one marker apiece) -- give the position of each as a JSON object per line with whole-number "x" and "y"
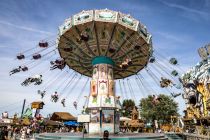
{"x": 15, "y": 70}
{"x": 63, "y": 102}
{"x": 156, "y": 99}
{"x": 42, "y": 93}
{"x": 55, "y": 97}
{"x": 37, "y": 79}
{"x": 175, "y": 94}
{"x": 126, "y": 63}
{"x": 75, "y": 104}
{"x": 165, "y": 82}
{"x": 59, "y": 63}
{"x": 62, "y": 65}
{"x": 34, "y": 78}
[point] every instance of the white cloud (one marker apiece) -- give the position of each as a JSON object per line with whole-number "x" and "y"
{"x": 25, "y": 28}
{"x": 187, "y": 9}
{"x": 1, "y": 46}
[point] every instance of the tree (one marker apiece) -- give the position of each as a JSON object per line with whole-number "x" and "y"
{"x": 127, "y": 107}
{"x": 161, "y": 111}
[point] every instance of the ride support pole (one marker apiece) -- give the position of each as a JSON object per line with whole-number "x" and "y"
{"x": 83, "y": 130}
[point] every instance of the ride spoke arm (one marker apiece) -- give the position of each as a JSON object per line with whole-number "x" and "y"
{"x": 110, "y": 40}
{"x": 125, "y": 40}
{"x": 86, "y": 44}
{"x": 70, "y": 41}
{"x": 96, "y": 33}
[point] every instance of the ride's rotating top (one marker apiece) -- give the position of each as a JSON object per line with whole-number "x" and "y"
{"x": 104, "y": 33}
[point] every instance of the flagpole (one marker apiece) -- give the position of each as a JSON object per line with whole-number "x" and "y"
{"x": 24, "y": 102}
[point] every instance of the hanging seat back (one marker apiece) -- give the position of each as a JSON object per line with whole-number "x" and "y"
{"x": 43, "y": 44}
{"x": 20, "y": 56}
{"x": 36, "y": 56}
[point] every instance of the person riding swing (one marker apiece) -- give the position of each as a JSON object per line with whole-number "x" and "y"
{"x": 37, "y": 79}
{"x": 54, "y": 97}
{"x": 58, "y": 64}
{"x": 63, "y": 102}
{"x": 15, "y": 70}
{"x": 126, "y": 63}
{"x": 42, "y": 93}
{"x": 165, "y": 82}
{"x": 75, "y": 105}
{"x": 156, "y": 99}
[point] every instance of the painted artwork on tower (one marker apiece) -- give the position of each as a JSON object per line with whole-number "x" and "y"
{"x": 103, "y": 87}
{"x": 111, "y": 88}
{"x": 110, "y": 72}
{"x": 103, "y": 71}
{"x": 108, "y": 120}
{"x": 107, "y": 101}
{"x": 95, "y": 72}
{"x": 94, "y": 88}
{"x": 108, "y": 116}
{"x": 94, "y": 101}
{"x": 95, "y": 116}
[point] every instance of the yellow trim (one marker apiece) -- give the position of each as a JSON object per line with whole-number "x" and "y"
{"x": 202, "y": 90}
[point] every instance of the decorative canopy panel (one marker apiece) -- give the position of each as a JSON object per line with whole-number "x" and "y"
{"x": 95, "y": 33}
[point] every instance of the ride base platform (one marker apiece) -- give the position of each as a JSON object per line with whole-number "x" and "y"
{"x": 79, "y": 136}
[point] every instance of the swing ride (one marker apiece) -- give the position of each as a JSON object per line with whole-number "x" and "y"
{"x": 104, "y": 47}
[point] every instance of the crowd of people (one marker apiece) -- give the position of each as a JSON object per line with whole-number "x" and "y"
{"x": 24, "y": 132}
{"x": 13, "y": 133}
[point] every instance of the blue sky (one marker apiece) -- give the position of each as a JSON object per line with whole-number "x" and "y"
{"x": 179, "y": 28}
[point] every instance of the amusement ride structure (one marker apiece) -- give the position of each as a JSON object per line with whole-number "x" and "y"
{"x": 110, "y": 48}
{"x": 196, "y": 85}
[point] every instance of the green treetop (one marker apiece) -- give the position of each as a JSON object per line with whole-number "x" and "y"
{"x": 161, "y": 111}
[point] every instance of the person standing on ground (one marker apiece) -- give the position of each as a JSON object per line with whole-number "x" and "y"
{"x": 106, "y": 135}
{"x": 28, "y": 132}
{"x": 4, "y": 134}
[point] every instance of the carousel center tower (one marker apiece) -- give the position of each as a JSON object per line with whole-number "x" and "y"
{"x": 103, "y": 104}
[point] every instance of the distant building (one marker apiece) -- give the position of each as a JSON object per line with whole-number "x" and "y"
{"x": 37, "y": 105}
{"x": 133, "y": 124}
{"x": 62, "y": 117}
